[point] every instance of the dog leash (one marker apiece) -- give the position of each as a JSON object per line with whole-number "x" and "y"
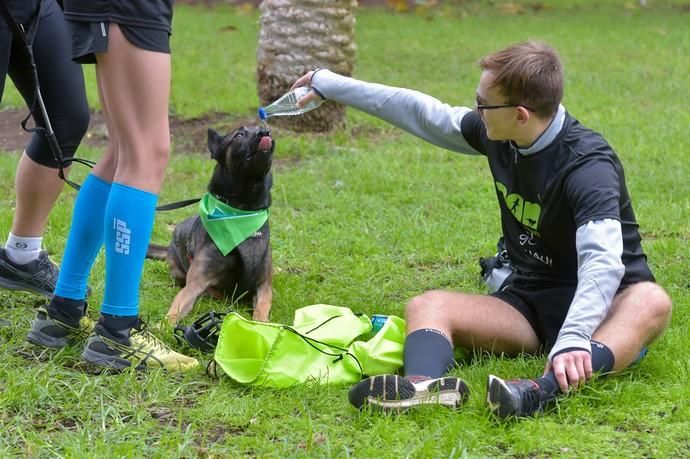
{"x": 19, "y": 33}
{"x": 187, "y": 202}
{"x": 177, "y": 205}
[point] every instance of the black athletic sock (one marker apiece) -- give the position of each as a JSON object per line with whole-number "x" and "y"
{"x": 602, "y": 362}
{"x": 118, "y": 326}
{"x": 548, "y": 383}
{"x": 66, "y": 309}
{"x": 427, "y": 352}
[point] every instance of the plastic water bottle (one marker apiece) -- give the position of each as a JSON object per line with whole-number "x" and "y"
{"x": 377, "y": 322}
{"x": 286, "y": 105}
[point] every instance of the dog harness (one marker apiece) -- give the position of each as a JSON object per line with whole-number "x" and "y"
{"x": 227, "y": 226}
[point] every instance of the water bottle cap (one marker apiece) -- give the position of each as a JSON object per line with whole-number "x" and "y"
{"x": 262, "y": 114}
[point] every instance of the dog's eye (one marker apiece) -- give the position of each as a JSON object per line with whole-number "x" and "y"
{"x": 239, "y": 135}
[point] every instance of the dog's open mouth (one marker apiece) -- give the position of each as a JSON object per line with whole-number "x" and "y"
{"x": 265, "y": 144}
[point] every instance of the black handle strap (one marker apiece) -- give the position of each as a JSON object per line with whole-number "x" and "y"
{"x": 178, "y": 204}
{"x": 338, "y": 356}
{"x": 18, "y": 31}
{"x": 20, "y": 34}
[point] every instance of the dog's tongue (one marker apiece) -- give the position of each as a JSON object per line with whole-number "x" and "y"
{"x": 265, "y": 143}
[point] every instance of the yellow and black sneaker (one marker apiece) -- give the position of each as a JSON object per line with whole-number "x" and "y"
{"x": 56, "y": 333}
{"x": 134, "y": 347}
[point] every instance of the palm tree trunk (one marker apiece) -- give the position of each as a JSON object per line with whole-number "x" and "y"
{"x": 300, "y": 35}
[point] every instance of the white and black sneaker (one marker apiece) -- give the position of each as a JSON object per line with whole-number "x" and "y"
{"x": 38, "y": 276}
{"x": 393, "y": 392}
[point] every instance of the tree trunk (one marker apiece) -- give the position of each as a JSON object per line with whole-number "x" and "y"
{"x": 297, "y": 36}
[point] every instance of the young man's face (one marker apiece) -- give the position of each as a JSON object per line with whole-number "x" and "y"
{"x": 502, "y": 122}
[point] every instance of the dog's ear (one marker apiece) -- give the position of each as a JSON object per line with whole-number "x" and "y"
{"x": 214, "y": 141}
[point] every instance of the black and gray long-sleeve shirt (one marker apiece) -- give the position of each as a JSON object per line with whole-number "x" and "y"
{"x": 565, "y": 210}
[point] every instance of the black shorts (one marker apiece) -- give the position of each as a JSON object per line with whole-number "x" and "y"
{"x": 544, "y": 304}
{"x": 89, "y": 38}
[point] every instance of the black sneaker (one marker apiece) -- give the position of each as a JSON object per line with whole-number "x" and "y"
{"x": 134, "y": 347}
{"x": 516, "y": 398}
{"x": 38, "y": 276}
{"x": 56, "y": 333}
{"x": 392, "y": 392}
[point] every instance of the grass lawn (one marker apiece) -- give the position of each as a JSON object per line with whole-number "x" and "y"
{"x": 367, "y": 217}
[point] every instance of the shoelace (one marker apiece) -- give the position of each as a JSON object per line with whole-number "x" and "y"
{"x": 45, "y": 263}
{"x": 531, "y": 399}
{"x": 149, "y": 338}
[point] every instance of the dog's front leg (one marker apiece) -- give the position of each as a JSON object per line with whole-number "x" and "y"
{"x": 262, "y": 301}
{"x": 197, "y": 283}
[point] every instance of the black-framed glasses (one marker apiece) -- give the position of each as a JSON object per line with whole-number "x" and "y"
{"x": 479, "y": 106}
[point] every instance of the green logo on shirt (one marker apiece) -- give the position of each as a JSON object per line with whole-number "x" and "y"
{"x": 524, "y": 211}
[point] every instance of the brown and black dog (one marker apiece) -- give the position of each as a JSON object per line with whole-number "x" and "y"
{"x": 241, "y": 179}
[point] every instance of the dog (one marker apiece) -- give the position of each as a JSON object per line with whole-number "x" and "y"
{"x": 241, "y": 179}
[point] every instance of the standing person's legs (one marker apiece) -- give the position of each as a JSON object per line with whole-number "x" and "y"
{"x": 22, "y": 263}
{"x": 86, "y": 231}
{"x": 436, "y": 322}
{"x": 63, "y": 320}
{"x": 135, "y": 85}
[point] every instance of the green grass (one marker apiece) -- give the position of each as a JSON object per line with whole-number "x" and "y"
{"x": 367, "y": 217}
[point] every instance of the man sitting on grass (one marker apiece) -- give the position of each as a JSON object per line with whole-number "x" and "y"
{"x": 581, "y": 289}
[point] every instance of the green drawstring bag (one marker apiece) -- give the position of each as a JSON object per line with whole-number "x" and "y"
{"x": 325, "y": 344}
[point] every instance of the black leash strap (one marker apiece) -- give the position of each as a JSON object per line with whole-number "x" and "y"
{"x": 19, "y": 33}
{"x": 177, "y": 205}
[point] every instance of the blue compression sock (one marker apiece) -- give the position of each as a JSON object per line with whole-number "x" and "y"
{"x": 84, "y": 240}
{"x": 128, "y": 221}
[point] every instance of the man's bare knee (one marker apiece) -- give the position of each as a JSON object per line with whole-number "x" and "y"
{"x": 429, "y": 305}
{"x": 658, "y": 305}
{"x": 644, "y": 307}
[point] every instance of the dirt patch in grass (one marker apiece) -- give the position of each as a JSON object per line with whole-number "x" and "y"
{"x": 188, "y": 135}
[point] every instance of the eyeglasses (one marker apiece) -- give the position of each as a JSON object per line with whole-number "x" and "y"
{"x": 479, "y": 106}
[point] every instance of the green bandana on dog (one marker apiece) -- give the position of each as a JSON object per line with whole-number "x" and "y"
{"x": 228, "y": 226}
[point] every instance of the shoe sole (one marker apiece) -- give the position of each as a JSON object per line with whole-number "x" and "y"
{"x": 43, "y": 340}
{"x": 500, "y": 398}
{"x": 391, "y": 392}
{"x": 106, "y": 361}
{"x": 15, "y": 285}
